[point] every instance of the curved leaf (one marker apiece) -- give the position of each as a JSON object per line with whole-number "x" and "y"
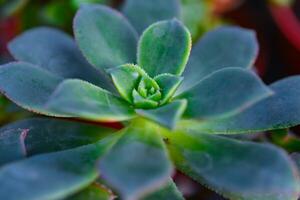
{"x": 81, "y": 99}
{"x": 220, "y": 48}
{"x": 144, "y": 13}
{"x": 166, "y": 115}
{"x": 224, "y": 92}
{"x": 52, "y": 176}
{"x": 164, "y": 47}
{"x": 28, "y": 86}
{"x": 138, "y": 163}
{"x": 37, "y": 135}
{"x": 236, "y": 169}
{"x": 104, "y": 36}
{"x": 282, "y": 110}
{"x": 56, "y": 52}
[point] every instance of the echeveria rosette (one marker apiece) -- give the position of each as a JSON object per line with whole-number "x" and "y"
{"x": 168, "y": 99}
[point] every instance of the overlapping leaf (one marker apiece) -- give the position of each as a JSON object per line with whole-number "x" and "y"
{"x": 237, "y": 170}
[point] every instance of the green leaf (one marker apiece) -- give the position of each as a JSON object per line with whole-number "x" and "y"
{"x": 56, "y": 52}
{"x": 138, "y": 163}
{"x": 223, "y": 93}
{"x": 83, "y": 100}
{"x": 164, "y": 47}
{"x": 167, "y": 192}
{"x": 28, "y": 86}
{"x": 104, "y": 36}
{"x": 166, "y": 115}
{"x": 282, "y": 110}
{"x": 37, "y": 135}
{"x": 168, "y": 84}
{"x": 235, "y": 169}
{"x": 92, "y": 192}
{"x": 220, "y": 48}
{"x": 126, "y": 78}
{"x": 54, "y": 175}
{"x": 144, "y": 13}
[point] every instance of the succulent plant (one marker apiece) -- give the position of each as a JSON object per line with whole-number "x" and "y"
{"x": 170, "y": 106}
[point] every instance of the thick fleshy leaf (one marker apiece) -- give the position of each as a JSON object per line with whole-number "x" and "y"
{"x": 138, "y": 163}
{"x": 224, "y": 92}
{"x": 220, "y": 48}
{"x": 144, "y": 13}
{"x": 126, "y": 78}
{"x": 168, "y": 84}
{"x": 164, "y": 47}
{"x": 168, "y": 192}
{"x": 28, "y": 86}
{"x": 38, "y": 135}
{"x": 235, "y": 169}
{"x": 104, "y": 36}
{"x": 166, "y": 115}
{"x": 56, "y": 52}
{"x": 53, "y": 175}
{"x": 81, "y": 99}
{"x": 93, "y": 192}
{"x": 282, "y": 110}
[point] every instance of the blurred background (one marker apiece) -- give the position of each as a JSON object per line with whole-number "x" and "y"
{"x": 276, "y": 22}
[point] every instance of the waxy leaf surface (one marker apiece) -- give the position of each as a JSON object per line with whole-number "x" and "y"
{"x": 104, "y": 36}
{"x": 164, "y": 47}
{"x": 144, "y": 13}
{"x": 52, "y": 176}
{"x": 83, "y": 100}
{"x": 224, "y": 92}
{"x": 138, "y": 163}
{"x": 279, "y": 111}
{"x": 220, "y": 48}
{"x": 56, "y": 52}
{"x": 236, "y": 169}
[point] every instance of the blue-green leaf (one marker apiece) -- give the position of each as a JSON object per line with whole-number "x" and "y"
{"x": 164, "y": 47}
{"x": 56, "y": 52}
{"x": 224, "y": 92}
{"x": 54, "y": 175}
{"x": 80, "y": 99}
{"x": 220, "y": 48}
{"x": 104, "y": 36}
{"x": 236, "y": 169}
{"x": 282, "y": 110}
{"x": 166, "y": 115}
{"x": 138, "y": 163}
{"x": 144, "y": 13}
{"x": 28, "y": 86}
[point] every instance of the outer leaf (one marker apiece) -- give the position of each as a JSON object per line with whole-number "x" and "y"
{"x": 220, "y": 48}
{"x": 224, "y": 92}
{"x": 28, "y": 86}
{"x": 237, "y": 170}
{"x": 168, "y": 84}
{"x": 144, "y": 13}
{"x": 166, "y": 115}
{"x": 51, "y": 176}
{"x": 93, "y": 192}
{"x": 138, "y": 163}
{"x": 83, "y": 100}
{"x": 168, "y": 192}
{"x": 56, "y": 52}
{"x": 34, "y": 136}
{"x": 164, "y": 47}
{"x": 104, "y": 36}
{"x": 282, "y": 110}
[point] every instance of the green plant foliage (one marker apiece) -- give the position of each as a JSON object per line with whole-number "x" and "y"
{"x": 166, "y": 111}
